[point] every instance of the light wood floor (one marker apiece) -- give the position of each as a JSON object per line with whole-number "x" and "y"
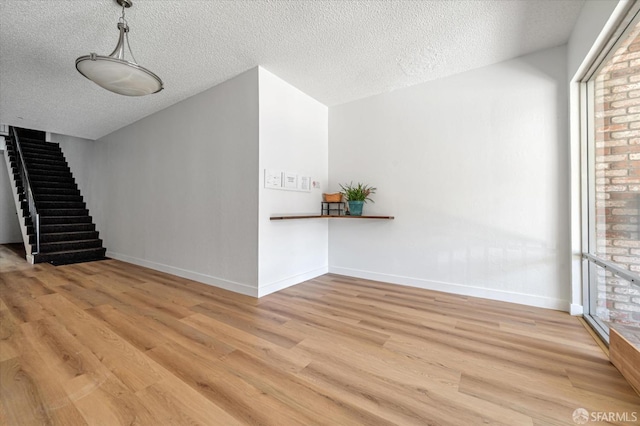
{"x": 109, "y": 343}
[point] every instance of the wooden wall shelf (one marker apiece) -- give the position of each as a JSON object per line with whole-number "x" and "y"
{"x": 318, "y": 216}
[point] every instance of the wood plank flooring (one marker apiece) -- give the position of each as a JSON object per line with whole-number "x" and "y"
{"x": 110, "y": 343}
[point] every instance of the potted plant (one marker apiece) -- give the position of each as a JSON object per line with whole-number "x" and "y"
{"x": 356, "y": 196}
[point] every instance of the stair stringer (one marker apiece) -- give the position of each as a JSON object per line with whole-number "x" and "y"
{"x": 16, "y": 200}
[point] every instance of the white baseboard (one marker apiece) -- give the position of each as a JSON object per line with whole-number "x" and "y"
{"x": 465, "y": 290}
{"x": 290, "y": 281}
{"x": 576, "y": 309}
{"x": 236, "y": 287}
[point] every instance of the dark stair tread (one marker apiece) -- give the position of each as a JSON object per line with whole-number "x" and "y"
{"x": 44, "y": 160}
{"x": 63, "y": 212}
{"x": 65, "y": 220}
{"x": 36, "y": 143}
{"x": 47, "y": 172}
{"x": 57, "y": 246}
{"x": 81, "y": 260}
{"x": 35, "y": 180}
{"x": 55, "y": 191}
{"x": 52, "y": 237}
{"x": 71, "y": 256}
{"x": 41, "y": 153}
{"x": 62, "y": 204}
{"x": 40, "y": 187}
{"x": 63, "y": 227}
{"x": 39, "y": 147}
{"x": 38, "y": 136}
{"x": 39, "y": 168}
{"x": 58, "y": 197}
{"x": 45, "y": 163}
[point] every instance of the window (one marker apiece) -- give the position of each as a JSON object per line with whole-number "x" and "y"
{"x": 612, "y": 240}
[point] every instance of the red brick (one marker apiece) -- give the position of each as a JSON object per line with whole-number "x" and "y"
{"x": 619, "y": 142}
{"x": 615, "y": 219}
{"x": 625, "y": 212}
{"x": 623, "y": 104}
{"x": 625, "y": 56}
{"x": 612, "y": 112}
{"x": 613, "y": 127}
{"x": 626, "y": 87}
{"x": 625, "y": 134}
{"x": 627, "y": 243}
{"x": 618, "y": 173}
{"x": 625, "y": 180}
{"x": 624, "y": 149}
{"x": 626, "y": 118}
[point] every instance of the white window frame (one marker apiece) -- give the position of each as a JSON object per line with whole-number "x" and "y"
{"x": 629, "y": 18}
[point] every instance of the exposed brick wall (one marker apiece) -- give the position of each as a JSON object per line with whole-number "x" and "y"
{"x": 617, "y": 163}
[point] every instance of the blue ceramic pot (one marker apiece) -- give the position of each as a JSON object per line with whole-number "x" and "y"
{"x": 355, "y": 208}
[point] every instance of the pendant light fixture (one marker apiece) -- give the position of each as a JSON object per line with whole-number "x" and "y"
{"x": 114, "y": 72}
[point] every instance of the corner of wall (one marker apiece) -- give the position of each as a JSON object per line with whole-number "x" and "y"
{"x": 294, "y": 139}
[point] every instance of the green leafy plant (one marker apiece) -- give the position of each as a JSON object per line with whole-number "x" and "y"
{"x": 359, "y": 192}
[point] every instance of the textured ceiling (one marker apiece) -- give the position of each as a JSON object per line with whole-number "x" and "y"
{"x": 335, "y": 51}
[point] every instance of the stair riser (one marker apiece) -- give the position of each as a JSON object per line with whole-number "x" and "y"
{"x": 42, "y": 173}
{"x": 70, "y": 236}
{"x": 45, "y": 170}
{"x": 55, "y": 188}
{"x": 47, "y": 165}
{"x": 69, "y": 245}
{"x": 30, "y": 152}
{"x": 57, "y": 220}
{"x": 40, "y": 151}
{"x": 55, "y": 191}
{"x": 35, "y": 169}
{"x": 58, "y": 197}
{"x": 45, "y": 162}
{"x": 47, "y": 205}
{"x": 35, "y": 180}
{"x": 35, "y": 157}
{"x": 44, "y": 187}
{"x": 63, "y": 212}
{"x": 87, "y": 255}
{"x": 54, "y": 158}
{"x": 36, "y": 136}
{"x": 76, "y": 227}
{"x": 38, "y": 145}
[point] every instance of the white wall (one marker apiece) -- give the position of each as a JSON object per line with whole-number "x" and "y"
{"x": 177, "y": 191}
{"x": 9, "y": 225}
{"x": 473, "y": 166}
{"x": 293, "y": 137}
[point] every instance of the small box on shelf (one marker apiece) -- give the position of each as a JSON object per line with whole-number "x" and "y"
{"x": 335, "y": 197}
{"x": 332, "y": 208}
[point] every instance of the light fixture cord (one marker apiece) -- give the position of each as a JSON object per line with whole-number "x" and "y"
{"x": 126, "y": 34}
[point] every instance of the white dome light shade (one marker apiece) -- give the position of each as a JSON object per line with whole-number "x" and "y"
{"x": 118, "y": 76}
{"x": 114, "y": 72}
